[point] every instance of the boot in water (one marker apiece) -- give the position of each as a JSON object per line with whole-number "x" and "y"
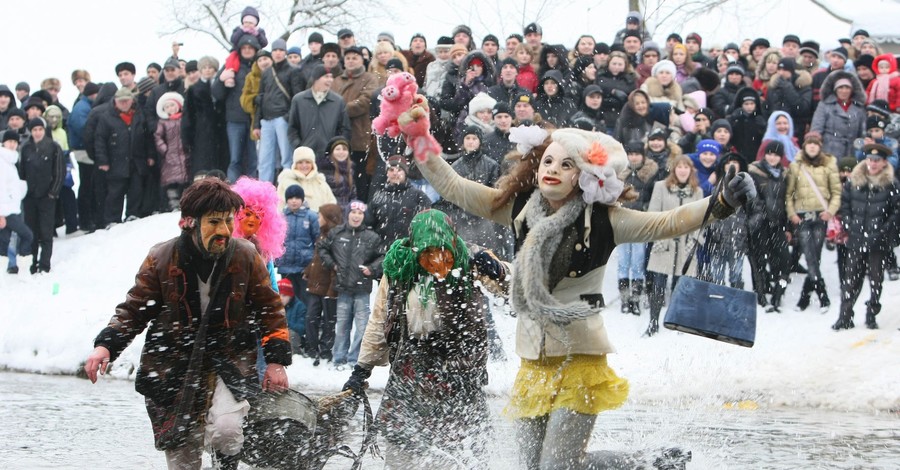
{"x": 625, "y": 295}
{"x": 805, "y": 294}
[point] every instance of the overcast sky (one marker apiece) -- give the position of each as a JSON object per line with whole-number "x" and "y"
{"x": 53, "y": 37}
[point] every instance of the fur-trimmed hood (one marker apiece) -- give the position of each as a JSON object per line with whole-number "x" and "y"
{"x": 859, "y": 177}
{"x": 761, "y": 66}
{"x": 827, "y": 90}
{"x": 656, "y": 91}
{"x": 488, "y": 69}
{"x": 645, "y": 173}
{"x": 801, "y": 79}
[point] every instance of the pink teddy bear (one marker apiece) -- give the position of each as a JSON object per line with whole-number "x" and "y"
{"x": 396, "y": 98}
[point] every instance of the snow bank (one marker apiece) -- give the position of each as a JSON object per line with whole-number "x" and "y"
{"x": 48, "y": 322}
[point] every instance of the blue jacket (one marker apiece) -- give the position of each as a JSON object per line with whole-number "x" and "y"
{"x": 299, "y": 245}
{"x": 77, "y": 120}
{"x": 703, "y": 174}
{"x": 295, "y": 311}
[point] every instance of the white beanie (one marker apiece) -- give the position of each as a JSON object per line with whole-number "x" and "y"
{"x": 663, "y": 65}
{"x": 480, "y": 102}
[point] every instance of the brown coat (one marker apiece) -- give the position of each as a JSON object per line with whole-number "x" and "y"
{"x": 165, "y": 301}
{"x": 319, "y": 279}
{"x": 357, "y": 90}
{"x": 418, "y": 66}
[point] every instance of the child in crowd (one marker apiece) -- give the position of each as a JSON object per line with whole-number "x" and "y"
{"x": 295, "y": 311}
{"x": 875, "y": 126}
{"x": 705, "y": 160}
{"x": 302, "y": 232}
{"x": 321, "y": 298}
{"x": 173, "y": 174}
{"x": 337, "y": 167}
{"x": 886, "y": 85}
{"x": 249, "y": 25}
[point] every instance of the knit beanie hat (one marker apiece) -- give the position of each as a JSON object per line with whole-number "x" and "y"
{"x": 285, "y": 287}
{"x": 709, "y": 145}
{"x": 501, "y": 108}
{"x": 90, "y": 88}
{"x": 812, "y": 137}
{"x": 667, "y": 65}
{"x": 864, "y": 60}
{"x": 10, "y": 134}
{"x": 398, "y": 161}
{"x": 357, "y": 205}
{"x": 775, "y": 147}
{"x": 458, "y": 48}
{"x": 318, "y": 71}
{"x": 720, "y": 124}
{"x": 36, "y": 122}
{"x": 145, "y": 85}
{"x": 473, "y": 130}
{"x": 294, "y": 191}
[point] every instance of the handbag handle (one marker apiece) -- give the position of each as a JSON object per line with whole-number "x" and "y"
{"x": 815, "y": 188}
{"x": 712, "y": 201}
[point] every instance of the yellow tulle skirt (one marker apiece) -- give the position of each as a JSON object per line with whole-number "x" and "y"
{"x": 581, "y": 383}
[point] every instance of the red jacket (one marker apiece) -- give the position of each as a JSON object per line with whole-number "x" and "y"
{"x": 527, "y": 78}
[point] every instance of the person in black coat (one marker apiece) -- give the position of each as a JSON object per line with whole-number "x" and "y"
{"x": 120, "y": 149}
{"x": 589, "y": 116}
{"x": 496, "y": 144}
{"x": 203, "y": 122}
{"x": 722, "y": 101}
{"x": 748, "y": 125}
{"x": 617, "y": 82}
{"x": 43, "y": 168}
{"x": 767, "y": 228}
{"x": 790, "y": 91}
{"x": 392, "y": 208}
{"x": 552, "y": 103}
{"x": 870, "y": 213}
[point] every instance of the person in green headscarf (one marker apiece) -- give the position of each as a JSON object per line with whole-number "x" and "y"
{"x": 428, "y": 326}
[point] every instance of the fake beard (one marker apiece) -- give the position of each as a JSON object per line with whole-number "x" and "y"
{"x": 205, "y": 250}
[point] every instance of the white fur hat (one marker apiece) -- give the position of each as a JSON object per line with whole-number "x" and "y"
{"x": 480, "y": 102}
{"x": 663, "y": 65}
{"x": 166, "y": 97}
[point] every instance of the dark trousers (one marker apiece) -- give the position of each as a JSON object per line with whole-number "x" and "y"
{"x": 40, "y": 216}
{"x": 87, "y": 206}
{"x": 321, "y": 315}
{"x": 15, "y": 223}
{"x": 859, "y": 263}
{"x": 657, "y": 292}
{"x": 151, "y": 200}
{"x": 69, "y": 208}
{"x": 769, "y": 258}
{"x": 118, "y": 190}
{"x": 811, "y": 239}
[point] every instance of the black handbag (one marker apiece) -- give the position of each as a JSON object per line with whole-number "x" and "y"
{"x": 715, "y": 311}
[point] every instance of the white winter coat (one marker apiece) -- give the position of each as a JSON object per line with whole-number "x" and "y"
{"x": 12, "y": 189}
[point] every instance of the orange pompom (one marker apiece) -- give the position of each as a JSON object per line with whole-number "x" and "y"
{"x": 597, "y": 154}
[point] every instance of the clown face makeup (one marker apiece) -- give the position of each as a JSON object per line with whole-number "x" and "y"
{"x": 557, "y": 174}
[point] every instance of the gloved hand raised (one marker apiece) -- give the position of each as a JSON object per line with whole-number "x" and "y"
{"x": 738, "y": 188}
{"x": 487, "y": 264}
{"x": 357, "y": 381}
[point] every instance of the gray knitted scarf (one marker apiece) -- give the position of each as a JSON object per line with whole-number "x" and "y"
{"x": 530, "y": 295}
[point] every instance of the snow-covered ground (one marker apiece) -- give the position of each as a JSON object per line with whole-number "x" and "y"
{"x": 48, "y": 322}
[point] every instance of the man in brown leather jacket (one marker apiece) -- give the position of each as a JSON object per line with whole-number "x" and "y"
{"x": 201, "y": 296}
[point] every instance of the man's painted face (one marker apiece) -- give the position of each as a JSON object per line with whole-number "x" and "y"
{"x": 437, "y": 261}
{"x": 250, "y": 221}
{"x": 557, "y": 174}
{"x": 215, "y": 231}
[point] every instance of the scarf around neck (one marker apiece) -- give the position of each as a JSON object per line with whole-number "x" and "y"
{"x": 530, "y": 293}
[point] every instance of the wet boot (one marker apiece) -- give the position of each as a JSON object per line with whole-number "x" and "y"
{"x": 845, "y": 320}
{"x": 625, "y": 295}
{"x": 775, "y": 304}
{"x": 823, "y": 296}
{"x": 637, "y": 288}
{"x": 808, "y": 287}
{"x": 872, "y": 309}
{"x": 761, "y": 299}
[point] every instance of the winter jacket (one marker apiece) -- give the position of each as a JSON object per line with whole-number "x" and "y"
{"x": 801, "y": 197}
{"x": 295, "y": 314}
{"x": 767, "y": 210}
{"x": 722, "y": 101}
{"x": 558, "y": 108}
{"x": 747, "y": 130}
{"x": 345, "y": 249}
{"x": 616, "y": 89}
{"x": 889, "y": 142}
{"x": 496, "y": 145}
{"x": 761, "y": 81}
{"x": 249, "y": 97}
{"x": 319, "y": 279}
{"x": 174, "y": 167}
{"x": 466, "y": 91}
{"x": 356, "y": 88}
{"x": 4, "y": 115}
{"x": 314, "y": 186}
{"x": 203, "y": 128}
{"x": 77, "y": 120}
{"x": 391, "y": 210}
{"x": 43, "y": 167}
{"x": 313, "y": 124}
{"x": 668, "y": 256}
{"x": 632, "y": 127}
{"x": 231, "y": 96}
{"x": 149, "y": 108}
{"x": 12, "y": 188}
{"x": 504, "y": 94}
{"x": 124, "y": 148}
{"x": 418, "y": 64}
{"x": 793, "y": 97}
{"x": 434, "y": 78}
{"x": 101, "y": 103}
{"x": 659, "y": 94}
{"x": 272, "y": 102}
{"x": 299, "y": 243}
{"x": 870, "y": 208}
{"x": 839, "y": 128}
{"x": 562, "y": 66}
{"x": 165, "y": 301}
{"x": 664, "y": 159}
{"x": 527, "y": 78}
{"x": 609, "y": 226}
{"x": 338, "y": 177}
{"x": 891, "y": 92}
{"x": 642, "y": 180}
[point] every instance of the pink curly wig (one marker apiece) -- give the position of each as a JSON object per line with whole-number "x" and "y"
{"x": 263, "y": 199}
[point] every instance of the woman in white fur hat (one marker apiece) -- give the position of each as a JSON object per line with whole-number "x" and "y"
{"x": 562, "y": 202}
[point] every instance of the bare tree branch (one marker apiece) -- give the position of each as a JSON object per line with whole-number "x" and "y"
{"x": 827, "y": 9}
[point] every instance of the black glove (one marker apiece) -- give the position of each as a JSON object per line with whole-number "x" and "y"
{"x": 357, "y": 381}
{"x": 487, "y": 264}
{"x": 738, "y": 189}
